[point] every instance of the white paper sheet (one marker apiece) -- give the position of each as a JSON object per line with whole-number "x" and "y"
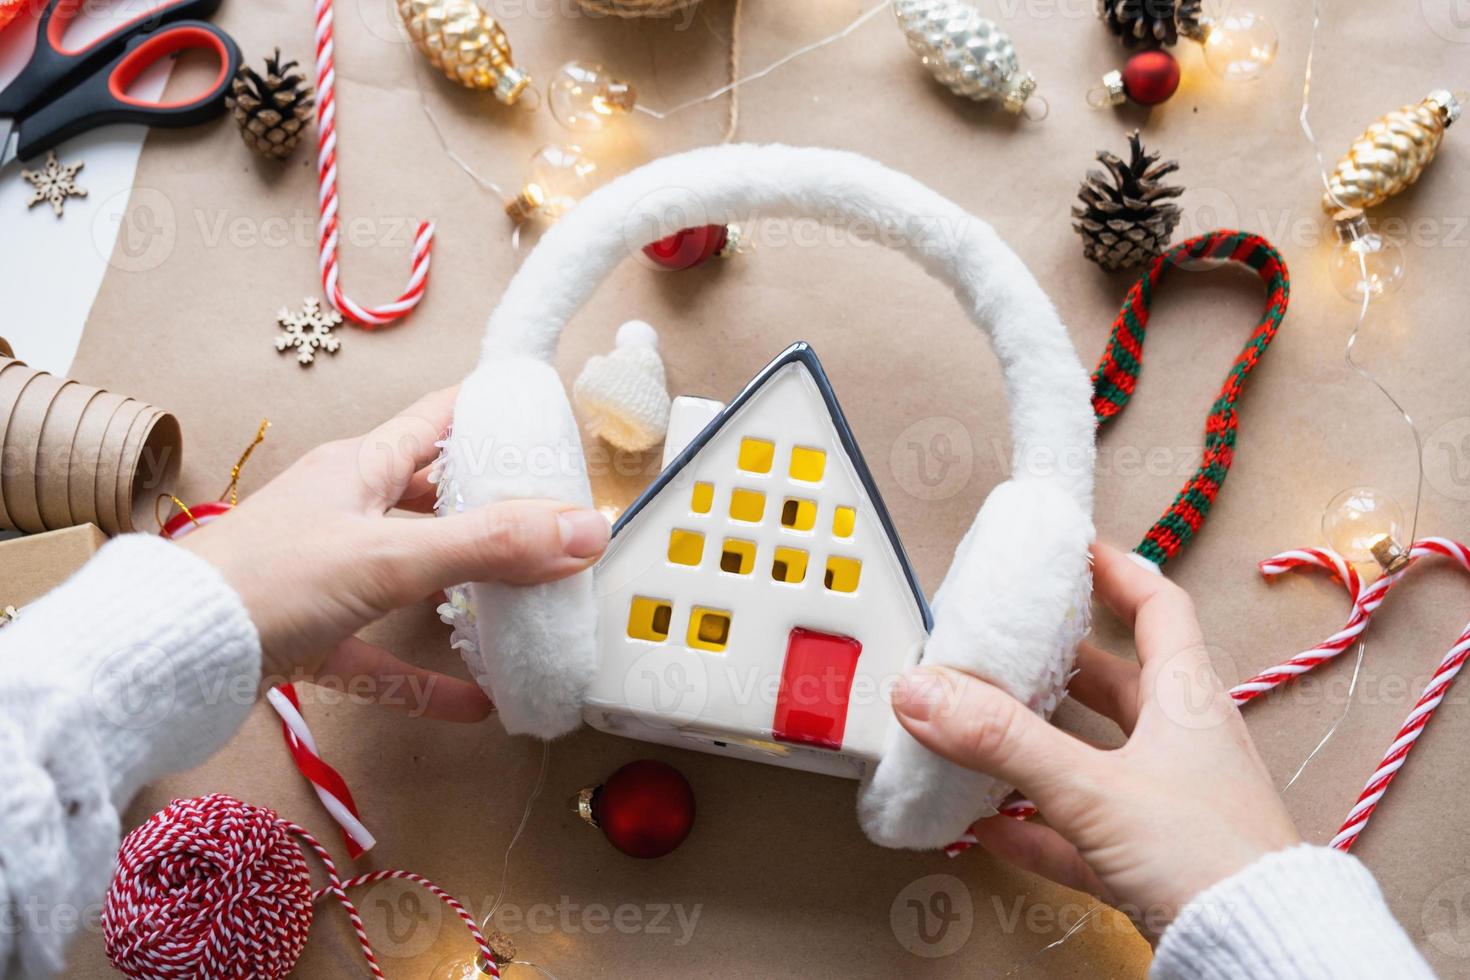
{"x": 51, "y": 268}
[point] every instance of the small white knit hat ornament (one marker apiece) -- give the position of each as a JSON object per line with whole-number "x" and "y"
{"x": 624, "y": 396}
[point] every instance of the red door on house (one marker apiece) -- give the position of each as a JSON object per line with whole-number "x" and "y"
{"x": 816, "y": 682}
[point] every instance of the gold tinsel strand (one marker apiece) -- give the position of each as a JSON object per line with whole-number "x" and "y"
{"x": 1391, "y": 154}
{"x": 466, "y": 44}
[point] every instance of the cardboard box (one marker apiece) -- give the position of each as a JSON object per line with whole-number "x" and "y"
{"x": 33, "y": 565}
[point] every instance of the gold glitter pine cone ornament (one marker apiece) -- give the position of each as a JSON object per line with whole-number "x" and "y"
{"x": 466, "y": 44}
{"x": 969, "y": 54}
{"x": 1390, "y": 154}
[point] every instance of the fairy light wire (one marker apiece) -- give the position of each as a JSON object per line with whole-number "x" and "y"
{"x": 520, "y": 830}
{"x": 731, "y": 88}
{"x": 1304, "y": 120}
{"x": 779, "y": 63}
{"x": 1352, "y": 340}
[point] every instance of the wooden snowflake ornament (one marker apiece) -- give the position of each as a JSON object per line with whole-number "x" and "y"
{"x": 308, "y": 331}
{"x": 54, "y": 183}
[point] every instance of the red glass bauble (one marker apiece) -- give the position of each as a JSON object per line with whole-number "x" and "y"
{"x": 197, "y": 516}
{"x": 1150, "y": 77}
{"x": 645, "y": 809}
{"x": 688, "y": 248}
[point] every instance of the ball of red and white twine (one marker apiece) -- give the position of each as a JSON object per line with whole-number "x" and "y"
{"x": 215, "y": 888}
{"x": 328, "y": 230}
{"x": 1365, "y": 602}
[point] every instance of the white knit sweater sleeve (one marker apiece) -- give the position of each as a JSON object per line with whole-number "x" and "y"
{"x": 143, "y": 663}
{"x": 1305, "y": 913}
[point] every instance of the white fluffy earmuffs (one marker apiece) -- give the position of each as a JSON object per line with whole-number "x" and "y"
{"x": 1013, "y": 605}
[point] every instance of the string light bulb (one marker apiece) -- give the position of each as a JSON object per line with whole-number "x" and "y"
{"x": 558, "y": 177}
{"x": 472, "y": 966}
{"x": 1365, "y": 525}
{"x": 1364, "y": 264}
{"x": 1239, "y": 46}
{"x": 586, "y": 99}
{"x": 459, "y": 968}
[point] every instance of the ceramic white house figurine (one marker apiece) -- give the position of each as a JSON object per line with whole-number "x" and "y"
{"x": 756, "y": 601}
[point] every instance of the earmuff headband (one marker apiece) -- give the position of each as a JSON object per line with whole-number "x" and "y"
{"x": 1051, "y": 423}
{"x": 1014, "y": 602}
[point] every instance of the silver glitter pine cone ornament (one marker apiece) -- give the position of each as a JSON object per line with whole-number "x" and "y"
{"x": 968, "y": 53}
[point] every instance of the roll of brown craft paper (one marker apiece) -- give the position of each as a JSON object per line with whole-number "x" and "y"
{"x": 53, "y": 461}
{"x": 86, "y": 451}
{"x": 75, "y": 454}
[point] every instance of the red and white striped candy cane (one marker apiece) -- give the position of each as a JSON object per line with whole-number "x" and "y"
{"x": 1423, "y": 710}
{"x": 330, "y": 787}
{"x": 328, "y": 230}
{"x": 1403, "y": 743}
{"x": 1365, "y": 603}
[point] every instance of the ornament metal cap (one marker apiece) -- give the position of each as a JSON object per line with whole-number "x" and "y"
{"x": 735, "y": 243}
{"x": 621, "y": 96}
{"x": 1449, "y": 106}
{"x": 1108, "y": 92}
{"x": 530, "y": 200}
{"x": 1389, "y": 553}
{"x": 1019, "y": 89}
{"x": 1351, "y": 225}
{"x": 511, "y": 84}
{"x": 582, "y": 804}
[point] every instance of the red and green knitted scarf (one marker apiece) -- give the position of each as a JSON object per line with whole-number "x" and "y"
{"x": 1117, "y": 374}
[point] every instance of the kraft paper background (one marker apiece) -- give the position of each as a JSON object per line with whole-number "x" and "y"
{"x": 783, "y": 882}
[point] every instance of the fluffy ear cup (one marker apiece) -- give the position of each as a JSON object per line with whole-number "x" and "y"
{"x": 1012, "y": 609}
{"x": 515, "y": 437}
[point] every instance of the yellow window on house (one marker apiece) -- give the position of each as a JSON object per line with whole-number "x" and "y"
{"x": 686, "y": 547}
{"x": 799, "y": 515}
{"x": 756, "y": 455}
{"x": 842, "y": 574}
{"x": 737, "y": 556}
{"x": 747, "y": 505}
{"x": 709, "y": 629}
{"x": 649, "y": 619}
{"x": 789, "y": 565}
{"x": 844, "y": 519}
{"x": 807, "y": 465}
{"x": 702, "y": 498}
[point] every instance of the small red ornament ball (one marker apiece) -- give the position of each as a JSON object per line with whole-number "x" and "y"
{"x": 1150, "y": 77}
{"x": 198, "y": 516}
{"x": 688, "y": 248}
{"x": 645, "y": 809}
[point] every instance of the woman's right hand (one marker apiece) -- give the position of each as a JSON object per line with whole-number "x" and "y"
{"x": 1185, "y": 803}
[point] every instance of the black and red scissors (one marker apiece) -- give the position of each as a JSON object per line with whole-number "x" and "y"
{"x": 63, "y": 91}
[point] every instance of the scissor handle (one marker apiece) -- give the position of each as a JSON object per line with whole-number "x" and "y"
{"x": 103, "y": 98}
{"x": 54, "y": 67}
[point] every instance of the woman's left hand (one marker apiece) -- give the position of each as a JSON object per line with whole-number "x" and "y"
{"x": 316, "y": 557}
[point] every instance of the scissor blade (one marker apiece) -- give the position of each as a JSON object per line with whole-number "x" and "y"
{"x": 8, "y": 140}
